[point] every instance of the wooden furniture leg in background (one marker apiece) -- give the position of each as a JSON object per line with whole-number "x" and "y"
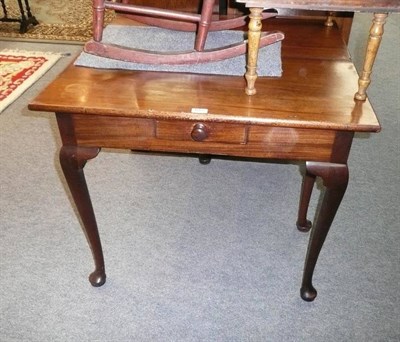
{"x": 335, "y": 178}
{"x": 205, "y": 159}
{"x": 254, "y": 36}
{"x": 26, "y": 18}
{"x": 302, "y": 223}
{"x": 204, "y": 24}
{"x": 329, "y": 20}
{"x": 73, "y": 160}
{"x": 374, "y": 41}
{"x": 223, "y": 7}
{"x": 98, "y": 19}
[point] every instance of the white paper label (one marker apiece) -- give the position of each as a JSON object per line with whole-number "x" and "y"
{"x": 199, "y": 110}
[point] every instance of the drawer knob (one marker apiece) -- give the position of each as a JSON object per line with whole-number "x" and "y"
{"x": 199, "y": 132}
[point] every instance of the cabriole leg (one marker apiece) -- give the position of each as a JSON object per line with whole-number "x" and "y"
{"x": 335, "y": 178}
{"x": 73, "y": 160}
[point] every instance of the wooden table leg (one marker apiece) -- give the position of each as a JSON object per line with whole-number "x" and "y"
{"x": 73, "y": 160}
{"x": 335, "y": 178}
{"x": 254, "y": 35}
{"x": 374, "y": 41}
{"x": 302, "y": 223}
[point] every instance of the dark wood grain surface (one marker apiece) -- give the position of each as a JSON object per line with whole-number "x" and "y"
{"x": 315, "y": 91}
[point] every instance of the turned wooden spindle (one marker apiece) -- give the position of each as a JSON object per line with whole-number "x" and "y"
{"x": 254, "y": 36}
{"x": 329, "y": 20}
{"x": 98, "y": 19}
{"x": 374, "y": 41}
{"x": 204, "y": 25}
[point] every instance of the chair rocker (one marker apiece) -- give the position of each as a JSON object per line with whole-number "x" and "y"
{"x": 200, "y": 23}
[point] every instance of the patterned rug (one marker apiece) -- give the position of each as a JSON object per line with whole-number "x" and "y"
{"x": 19, "y": 70}
{"x": 58, "y": 20}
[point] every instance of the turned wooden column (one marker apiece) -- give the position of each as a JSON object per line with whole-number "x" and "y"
{"x": 374, "y": 41}
{"x": 254, "y": 35}
{"x": 204, "y": 24}
{"x": 329, "y": 20}
{"x": 98, "y": 19}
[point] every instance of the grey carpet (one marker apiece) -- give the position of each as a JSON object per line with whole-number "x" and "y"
{"x": 157, "y": 39}
{"x": 194, "y": 252}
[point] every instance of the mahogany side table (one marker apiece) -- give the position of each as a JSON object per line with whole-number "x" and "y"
{"x": 300, "y": 117}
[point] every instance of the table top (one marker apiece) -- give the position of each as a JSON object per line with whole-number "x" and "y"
{"x": 315, "y": 91}
{"x": 328, "y": 5}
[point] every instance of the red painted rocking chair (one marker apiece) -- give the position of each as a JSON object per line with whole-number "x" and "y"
{"x": 200, "y": 23}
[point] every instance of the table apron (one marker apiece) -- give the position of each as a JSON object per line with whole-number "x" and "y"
{"x": 241, "y": 140}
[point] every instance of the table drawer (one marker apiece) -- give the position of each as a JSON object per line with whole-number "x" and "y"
{"x": 291, "y": 143}
{"x": 118, "y": 132}
{"x": 201, "y": 131}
